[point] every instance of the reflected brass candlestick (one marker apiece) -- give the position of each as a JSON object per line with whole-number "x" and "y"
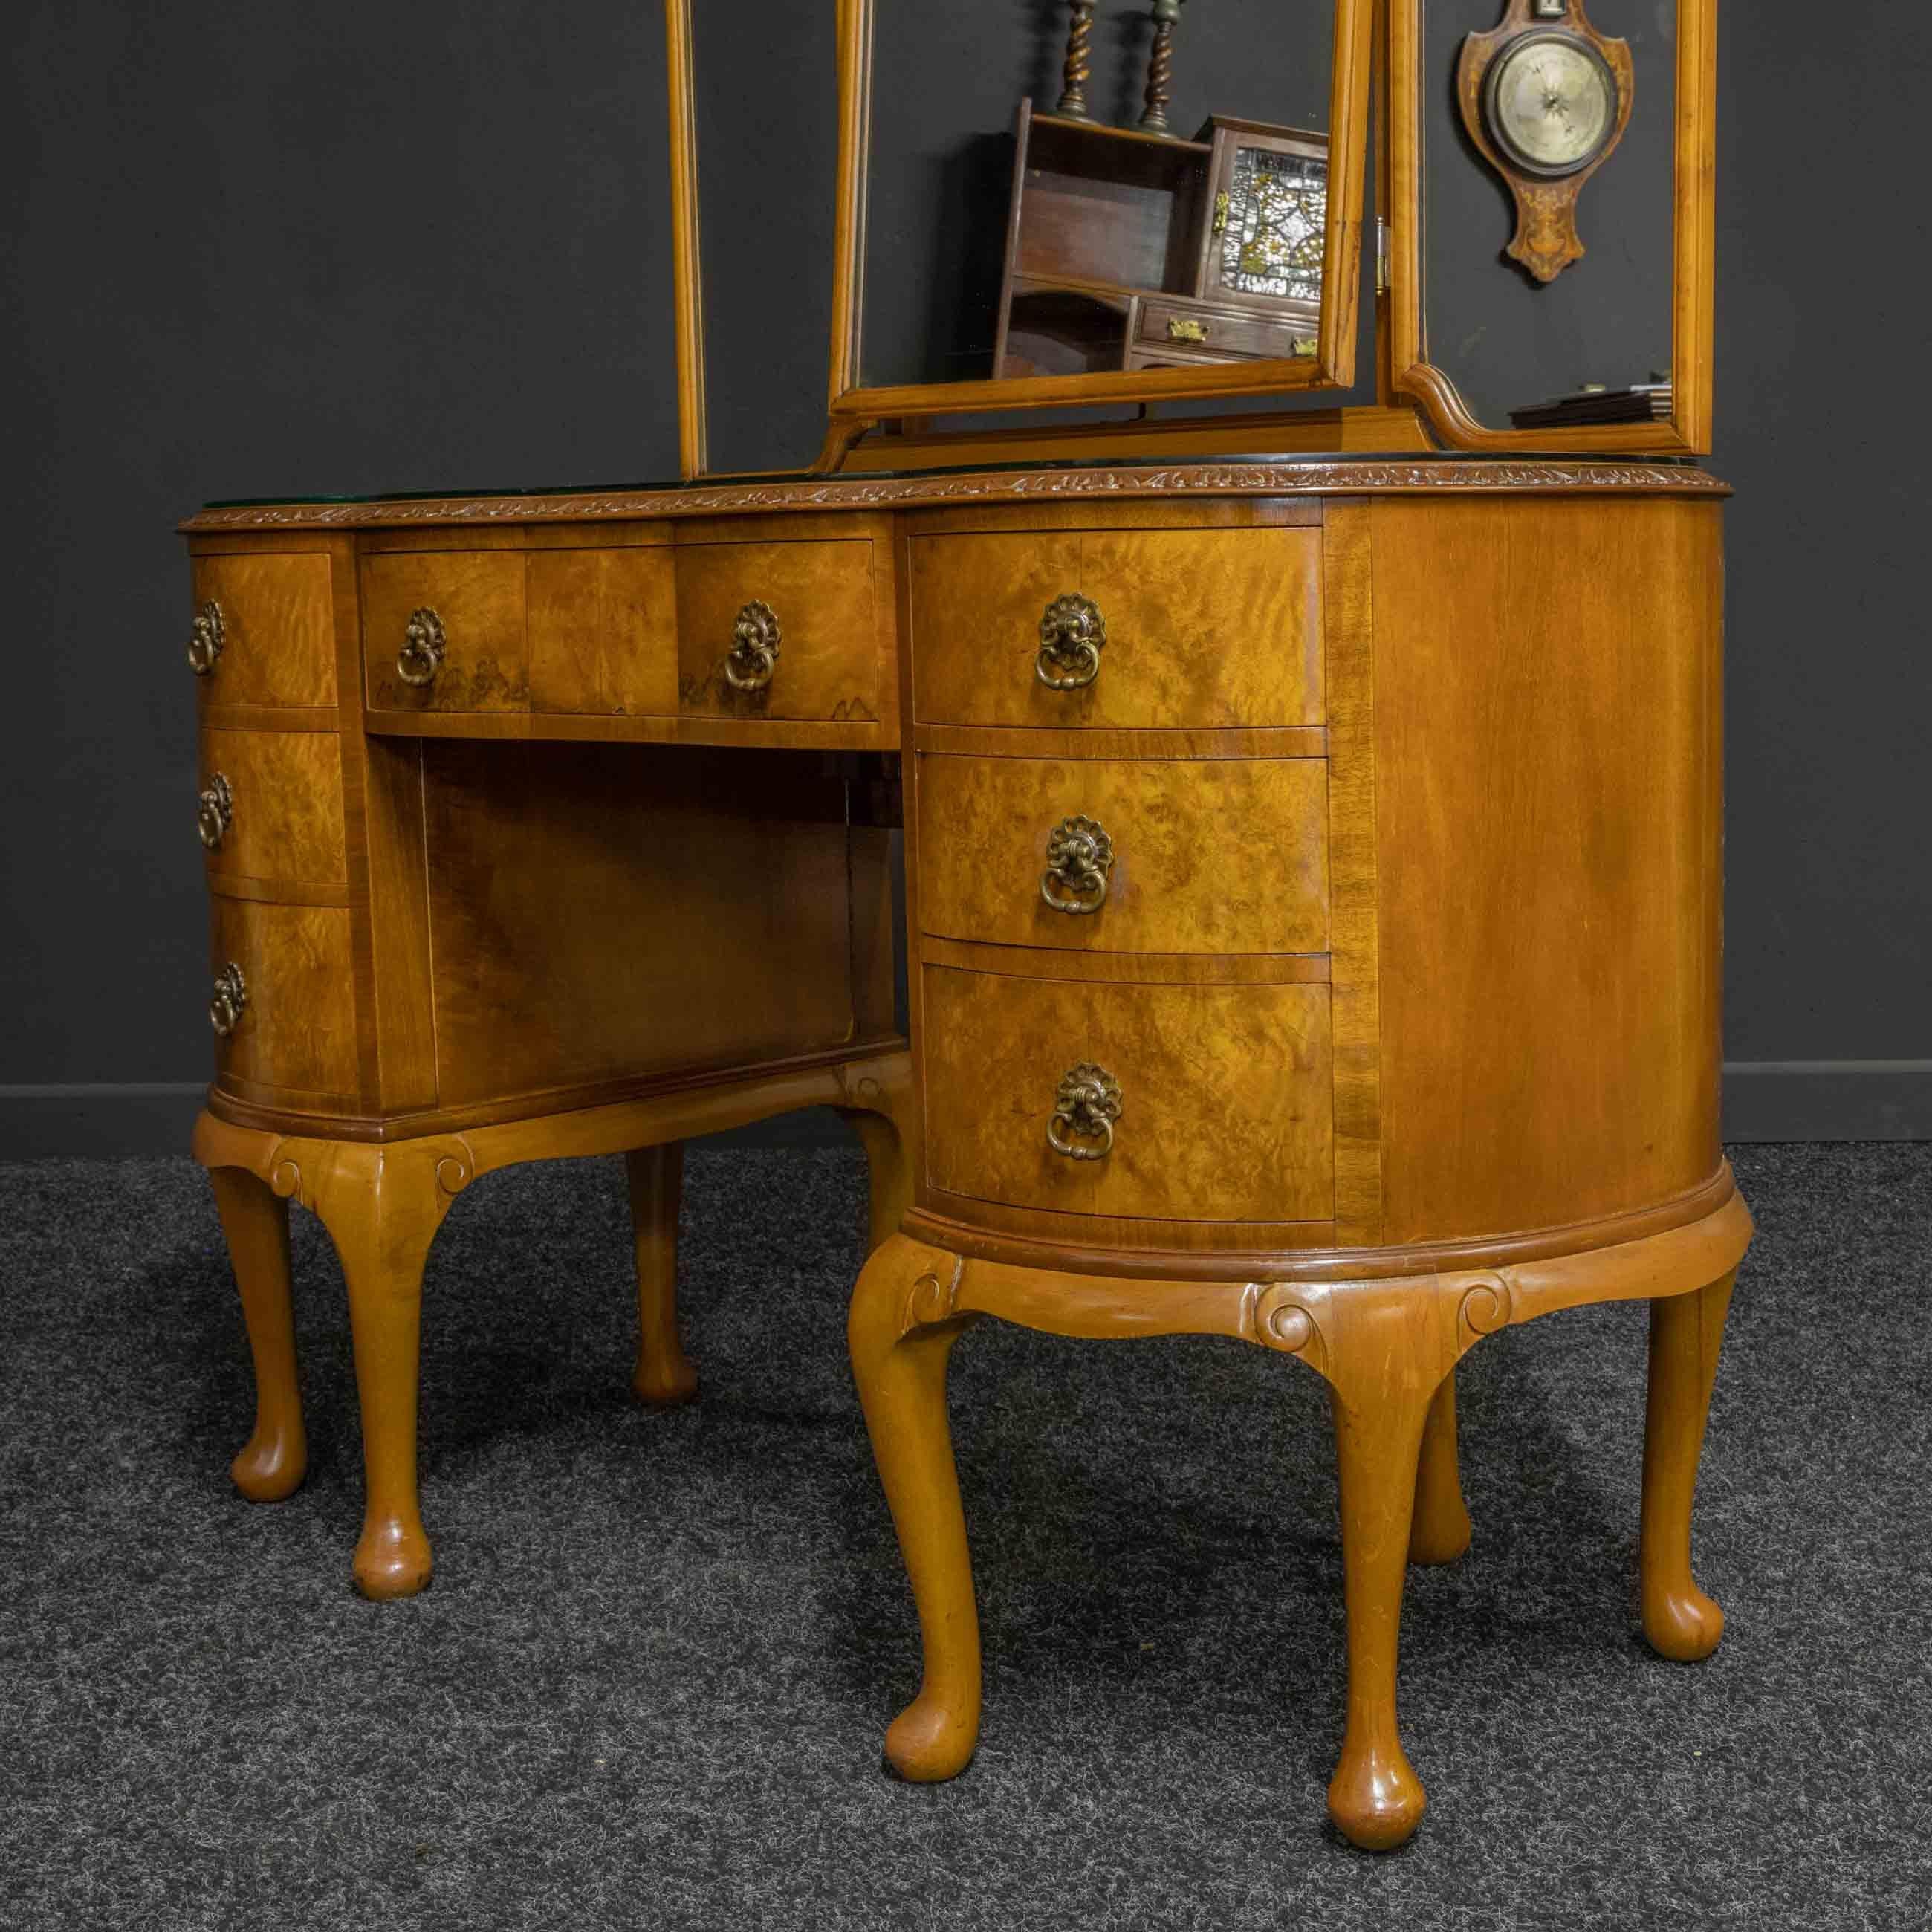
{"x": 1079, "y": 62}
{"x": 1160, "y": 67}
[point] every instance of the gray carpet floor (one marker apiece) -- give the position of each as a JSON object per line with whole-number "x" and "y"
{"x": 648, "y": 1685}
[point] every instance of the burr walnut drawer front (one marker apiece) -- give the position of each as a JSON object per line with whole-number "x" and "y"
{"x": 1225, "y": 855}
{"x": 446, "y": 630}
{"x": 1187, "y": 1102}
{"x": 1227, "y": 331}
{"x": 785, "y": 630}
{"x": 269, "y": 806}
{"x": 263, "y": 631}
{"x": 1132, "y": 628}
{"x": 281, "y": 1004}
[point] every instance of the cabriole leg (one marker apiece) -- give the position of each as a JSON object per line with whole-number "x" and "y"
{"x": 899, "y": 1363}
{"x": 381, "y": 1207}
{"x": 1375, "y": 1797}
{"x": 663, "y": 1374}
{"x": 255, "y": 1220}
{"x": 891, "y": 1178}
{"x": 1441, "y": 1532}
{"x": 1686, "y": 1333}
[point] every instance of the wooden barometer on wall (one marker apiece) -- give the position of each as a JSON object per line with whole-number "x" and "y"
{"x": 1546, "y": 98}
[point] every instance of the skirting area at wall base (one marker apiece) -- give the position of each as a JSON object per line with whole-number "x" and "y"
{"x": 1827, "y": 1100}
{"x": 98, "y": 1121}
{"x": 1764, "y": 1100}
{"x": 105, "y": 1121}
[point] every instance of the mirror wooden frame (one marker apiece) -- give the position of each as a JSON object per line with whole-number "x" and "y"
{"x": 1688, "y": 431}
{"x": 854, "y": 408}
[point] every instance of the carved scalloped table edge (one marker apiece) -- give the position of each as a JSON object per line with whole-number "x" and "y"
{"x": 1242, "y": 479}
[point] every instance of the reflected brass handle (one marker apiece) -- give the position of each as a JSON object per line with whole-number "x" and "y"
{"x": 1084, "y": 1110}
{"x": 753, "y": 655}
{"x": 1073, "y": 634}
{"x": 1180, "y": 329}
{"x": 423, "y": 643}
{"x": 1079, "y": 856}
{"x": 216, "y": 812}
{"x": 205, "y": 639}
{"x": 230, "y": 1001}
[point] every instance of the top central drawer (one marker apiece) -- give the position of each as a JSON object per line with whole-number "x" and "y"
{"x": 1140, "y": 629}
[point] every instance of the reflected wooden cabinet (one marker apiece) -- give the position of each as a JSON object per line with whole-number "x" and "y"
{"x": 1126, "y": 251}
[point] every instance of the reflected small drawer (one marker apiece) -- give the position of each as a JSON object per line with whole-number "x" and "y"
{"x": 1210, "y": 856}
{"x": 786, "y": 630}
{"x": 1185, "y": 1103}
{"x": 262, "y": 630}
{"x": 269, "y": 806}
{"x": 445, "y": 630}
{"x": 281, "y": 1003}
{"x": 1138, "y": 629}
{"x": 1221, "y": 332}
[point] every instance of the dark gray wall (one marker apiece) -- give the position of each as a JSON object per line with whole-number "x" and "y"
{"x": 280, "y": 250}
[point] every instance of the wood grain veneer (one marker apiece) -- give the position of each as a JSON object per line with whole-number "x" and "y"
{"x": 278, "y": 645}
{"x": 1219, "y": 855}
{"x": 298, "y": 1030}
{"x": 826, "y": 600}
{"x": 593, "y": 915}
{"x": 603, "y": 632}
{"x": 1227, "y": 1093}
{"x": 480, "y": 596}
{"x": 1205, "y": 628}
{"x": 287, "y": 822}
{"x": 1548, "y": 773}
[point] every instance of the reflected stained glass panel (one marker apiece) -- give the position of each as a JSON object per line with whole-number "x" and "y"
{"x": 1276, "y": 225}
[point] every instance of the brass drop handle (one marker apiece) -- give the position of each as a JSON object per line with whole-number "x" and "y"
{"x": 753, "y": 655}
{"x": 216, "y": 812}
{"x": 1079, "y": 856}
{"x": 1181, "y": 329}
{"x": 424, "y": 644}
{"x": 1085, "y": 1111}
{"x": 1073, "y": 634}
{"x": 205, "y": 640}
{"x": 230, "y": 1000}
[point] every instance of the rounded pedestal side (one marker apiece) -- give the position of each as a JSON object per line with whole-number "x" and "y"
{"x": 1415, "y": 962}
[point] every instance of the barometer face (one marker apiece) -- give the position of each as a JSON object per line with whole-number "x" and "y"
{"x": 1550, "y": 101}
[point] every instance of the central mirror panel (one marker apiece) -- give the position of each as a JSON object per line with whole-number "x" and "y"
{"x": 1052, "y": 193}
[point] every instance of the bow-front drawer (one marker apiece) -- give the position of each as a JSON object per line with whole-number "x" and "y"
{"x": 1183, "y": 1102}
{"x": 263, "y": 630}
{"x": 1135, "y": 628}
{"x": 269, "y": 806}
{"x": 446, "y": 630}
{"x": 785, "y": 630}
{"x": 1215, "y": 856}
{"x": 280, "y": 1003}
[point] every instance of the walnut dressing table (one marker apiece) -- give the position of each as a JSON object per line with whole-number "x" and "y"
{"x": 1335, "y": 966}
{"x": 1312, "y": 817}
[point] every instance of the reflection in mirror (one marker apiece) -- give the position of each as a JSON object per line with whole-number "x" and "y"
{"x": 767, "y": 141}
{"x": 1520, "y": 107}
{"x": 1063, "y": 189}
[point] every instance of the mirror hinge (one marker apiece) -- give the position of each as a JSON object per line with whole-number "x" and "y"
{"x": 1382, "y": 256}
